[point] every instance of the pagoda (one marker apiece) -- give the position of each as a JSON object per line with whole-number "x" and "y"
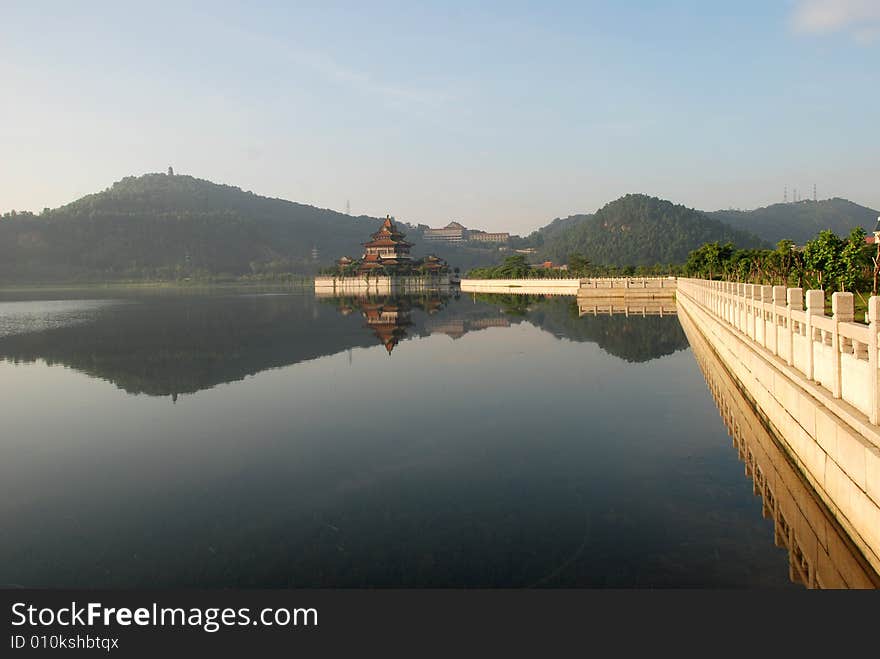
{"x": 387, "y": 251}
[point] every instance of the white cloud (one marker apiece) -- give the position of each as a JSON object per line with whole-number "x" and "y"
{"x": 860, "y": 18}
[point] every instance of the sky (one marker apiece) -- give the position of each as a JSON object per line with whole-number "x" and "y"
{"x": 501, "y": 115}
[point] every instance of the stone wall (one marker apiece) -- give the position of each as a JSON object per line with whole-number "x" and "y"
{"x": 522, "y": 286}
{"x": 378, "y": 285}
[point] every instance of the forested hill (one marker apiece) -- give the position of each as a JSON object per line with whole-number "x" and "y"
{"x": 160, "y": 225}
{"x": 174, "y": 226}
{"x": 638, "y": 230}
{"x": 801, "y": 221}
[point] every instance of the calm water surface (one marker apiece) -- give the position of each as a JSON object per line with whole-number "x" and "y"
{"x": 284, "y": 440}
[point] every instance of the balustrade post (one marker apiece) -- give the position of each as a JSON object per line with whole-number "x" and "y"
{"x": 815, "y": 307}
{"x": 842, "y": 307}
{"x": 777, "y": 315}
{"x": 766, "y": 301}
{"x": 795, "y": 299}
{"x": 740, "y": 288}
{"x": 874, "y": 327}
{"x": 757, "y": 309}
{"x": 731, "y": 303}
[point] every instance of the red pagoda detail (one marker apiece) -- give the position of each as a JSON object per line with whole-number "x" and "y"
{"x": 386, "y": 249}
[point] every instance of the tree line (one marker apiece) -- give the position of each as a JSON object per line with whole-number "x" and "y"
{"x": 827, "y": 261}
{"x": 518, "y": 267}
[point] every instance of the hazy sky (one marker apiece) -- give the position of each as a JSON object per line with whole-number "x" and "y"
{"x": 502, "y": 115}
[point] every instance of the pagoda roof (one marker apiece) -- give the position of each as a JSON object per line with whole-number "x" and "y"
{"x": 387, "y": 241}
{"x": 388, "y": 229}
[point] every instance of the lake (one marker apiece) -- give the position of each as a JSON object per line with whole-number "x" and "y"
{"x": 282, "y": 440}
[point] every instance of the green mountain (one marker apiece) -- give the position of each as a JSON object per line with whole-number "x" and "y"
{"x": 549, "y": 232}
{"x": 801, "y": 221}
{"x": 638, "y": 230}
{"x": 167, "y": 226}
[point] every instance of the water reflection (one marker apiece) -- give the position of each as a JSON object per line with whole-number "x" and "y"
{"x": 820, "y": 554}
{"x": 482, "y": 440}
{"x": 173, "y": 345}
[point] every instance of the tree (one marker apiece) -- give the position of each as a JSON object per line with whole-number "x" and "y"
{"x": 783, "y": 259}
{"x": 822, "y": 256}
{"x": 578, "y": 264}
{"x": 854, "y": 260}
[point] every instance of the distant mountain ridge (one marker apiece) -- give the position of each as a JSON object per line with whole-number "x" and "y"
{"x": 171, "y": 226}
{"x": 800, "y": 221}
{"x": 159, "y": 225}
{"x": 636, "y": 230}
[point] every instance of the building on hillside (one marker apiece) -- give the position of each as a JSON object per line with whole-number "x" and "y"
{"x": 486, "y": 237}
{"x": 874, "y": 238}
{"x": 453, "y": 233}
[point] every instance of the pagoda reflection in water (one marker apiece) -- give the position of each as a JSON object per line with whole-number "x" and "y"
{"x": 389, "y": 317}
{"x": 389, "y": 320}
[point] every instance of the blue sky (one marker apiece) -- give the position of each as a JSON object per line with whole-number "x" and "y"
{"x": 500, "y": 115}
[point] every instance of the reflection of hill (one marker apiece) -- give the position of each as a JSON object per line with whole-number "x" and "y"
{"x": 166, "y": 346}
{"x": 633, "y": 339}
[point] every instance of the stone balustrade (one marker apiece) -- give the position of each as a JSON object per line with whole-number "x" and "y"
{"x": 814, "y": 379}
{"x": 834, "y": 351}
{"x": 628, "y": 283}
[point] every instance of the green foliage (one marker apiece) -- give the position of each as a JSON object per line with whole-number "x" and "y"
{"x": 825, "y": 262}
{"x": 579, "y": 265}
{"x": 822, "y": 258}
{"x": 513, "y": 267}
{"x": 855, "y": 260}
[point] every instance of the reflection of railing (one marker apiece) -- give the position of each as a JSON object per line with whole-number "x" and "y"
{"x": 597, "y": 306}
{"x": 820, "y": 553}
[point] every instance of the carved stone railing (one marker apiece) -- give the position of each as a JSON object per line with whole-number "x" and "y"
{"x": 834, "y": 351}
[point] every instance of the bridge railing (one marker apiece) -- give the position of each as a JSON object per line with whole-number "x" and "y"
{"x": 834, "y": 351}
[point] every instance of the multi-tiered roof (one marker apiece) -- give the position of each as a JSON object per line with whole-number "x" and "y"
{"x": 387, "y": 248}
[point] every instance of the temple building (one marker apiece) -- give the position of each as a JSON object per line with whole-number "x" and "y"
{"x": 386, "y": 249}
{"x": 386, "y": 263}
